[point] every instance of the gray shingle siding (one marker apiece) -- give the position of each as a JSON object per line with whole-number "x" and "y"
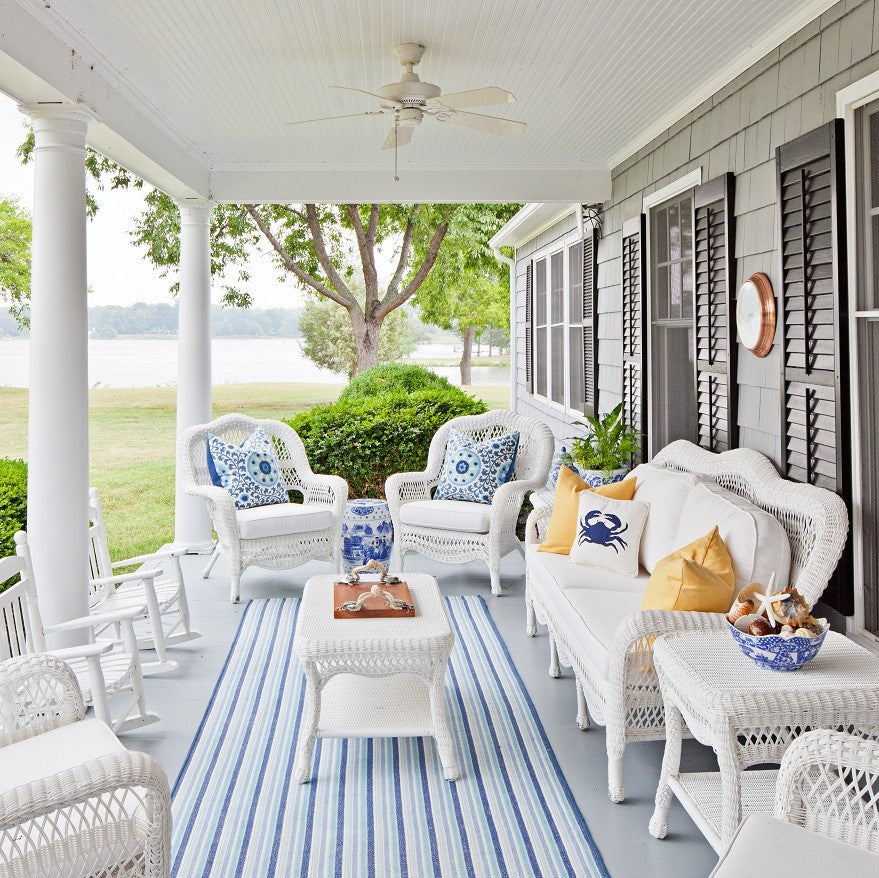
{"x": 787, "y": 93}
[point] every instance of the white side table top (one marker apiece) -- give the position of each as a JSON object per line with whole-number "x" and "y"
{"x": 318, "y": 633}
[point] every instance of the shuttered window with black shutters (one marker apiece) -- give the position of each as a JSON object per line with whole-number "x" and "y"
{"x": 529, "y": 327}
{"x": 815, "y": 433}
{"x": 716, "y": 350}
{"x": 634, "y": 323}
{"x": 583, "y": 325}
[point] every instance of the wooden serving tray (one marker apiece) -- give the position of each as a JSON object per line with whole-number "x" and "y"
{"x": 373, "y": 608}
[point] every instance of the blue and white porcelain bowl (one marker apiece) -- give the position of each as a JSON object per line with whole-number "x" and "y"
{"x": 776, "y": 653}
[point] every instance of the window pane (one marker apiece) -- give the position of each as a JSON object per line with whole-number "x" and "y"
{"x": 540, "y": 361}
{"x": 661, "y": 237}
{"x": 874, "y": 158}
{"x": 686, "y": 212}
{"x": 674, "y": 233}
{"x": 674, "y": 290}
{"x": 674, "y": 407}
{"x": 540, "y": 292}
{"x": 575, "y": 283}
{"x": 558, "y": 364}
{"x": 557, "y": 282}
{"x": 688, "y": 294}
{"x": 575, "y": 368}
{"x": 660, "y": 293}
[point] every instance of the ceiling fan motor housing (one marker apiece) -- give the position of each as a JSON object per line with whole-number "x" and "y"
{"x": 416, "y": 92}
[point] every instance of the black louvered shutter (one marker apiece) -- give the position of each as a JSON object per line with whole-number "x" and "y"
{"x": 634, "y": 327}
{"x": 814, "y": 338}
{"x": 714, "y": 255}
{"x": 529, "y": 327}
{"x": 590, "y": 323}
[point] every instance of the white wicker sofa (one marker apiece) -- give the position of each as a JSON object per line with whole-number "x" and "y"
{"x": 595, "y": 623}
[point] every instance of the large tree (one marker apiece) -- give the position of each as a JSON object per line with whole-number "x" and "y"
{"x": 15, "y": 258}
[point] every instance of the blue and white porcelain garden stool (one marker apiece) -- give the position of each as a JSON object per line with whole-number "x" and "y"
{"x": 367, "y": 533}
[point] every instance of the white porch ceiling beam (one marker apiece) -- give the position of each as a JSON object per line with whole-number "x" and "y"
{"x": 492, "y": 183}
{"x": 126, "y": 127}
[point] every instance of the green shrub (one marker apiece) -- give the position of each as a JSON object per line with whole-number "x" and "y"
{"x": 365, "y": 440}
{"x": 13, "y": 502}
{"x": 390, "y": 377}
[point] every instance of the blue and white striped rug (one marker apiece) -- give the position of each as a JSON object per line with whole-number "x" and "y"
{"x": 375, "y": 807}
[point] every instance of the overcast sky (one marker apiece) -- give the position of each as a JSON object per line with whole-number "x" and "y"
{"x": 118, "y": 274}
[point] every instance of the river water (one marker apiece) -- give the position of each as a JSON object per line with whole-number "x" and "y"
{"x": 153, "y": 362}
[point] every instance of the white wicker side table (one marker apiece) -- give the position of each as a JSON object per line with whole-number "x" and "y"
{"x": 749, "y": 716}
{"x": 374, "y": 678}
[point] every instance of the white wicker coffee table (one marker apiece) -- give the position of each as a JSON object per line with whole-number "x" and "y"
{"x": 749, "y": 716}
{"x": 374, "y": 678}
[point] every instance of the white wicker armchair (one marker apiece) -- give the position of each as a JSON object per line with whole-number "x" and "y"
{"x": 828, "y": 785}
{"x": 629, "y": 703}
{"x": 73, "y": 801}
{"x": 295, "y": 540}
{"x": 455, "y": 547}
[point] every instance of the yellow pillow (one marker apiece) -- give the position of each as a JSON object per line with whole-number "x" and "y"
{"x": 697, "y": 577}
{"x": 562, "y": 528}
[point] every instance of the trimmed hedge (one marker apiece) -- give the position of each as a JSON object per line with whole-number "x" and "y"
{"x": 365, "y": 440}
{"x": 390, "y": 377}
{"x": 13, "y": 502}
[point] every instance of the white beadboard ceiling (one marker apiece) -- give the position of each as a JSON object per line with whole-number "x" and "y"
{"x": 202, "y": 89}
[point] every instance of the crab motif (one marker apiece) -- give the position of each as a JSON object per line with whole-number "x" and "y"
{"x": 602, "y": 529}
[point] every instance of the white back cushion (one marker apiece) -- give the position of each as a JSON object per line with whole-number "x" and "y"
{"x": 665, "y": 490}
{"x": 757, "y": 543}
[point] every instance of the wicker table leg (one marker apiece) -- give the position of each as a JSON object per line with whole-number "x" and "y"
{"x": 671, "y": 766}
{"x": 730, "y": 785}
{"x": 445, "y": 744}
{"x": 308, "y": 731}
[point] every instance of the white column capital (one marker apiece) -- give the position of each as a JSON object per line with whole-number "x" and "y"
{"x": 195, "y": 211}
{"x": 58, "y": 126}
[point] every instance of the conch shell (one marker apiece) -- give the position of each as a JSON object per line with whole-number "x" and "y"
{"x": 793, "y": 611}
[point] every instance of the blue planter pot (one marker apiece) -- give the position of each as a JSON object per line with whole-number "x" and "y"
{"x": 367, "y": 533}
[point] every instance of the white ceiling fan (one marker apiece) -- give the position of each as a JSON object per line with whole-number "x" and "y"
{"x": 410, "y": 100}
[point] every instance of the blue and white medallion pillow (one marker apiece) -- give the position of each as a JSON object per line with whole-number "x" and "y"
{"x": 609, "y": 533}
{"x": 249, "y": 472}
{"x": 473, "y": 471}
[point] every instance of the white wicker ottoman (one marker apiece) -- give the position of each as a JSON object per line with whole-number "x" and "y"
{"x": 374, "y": 678}
{"x": 749, "y": 716}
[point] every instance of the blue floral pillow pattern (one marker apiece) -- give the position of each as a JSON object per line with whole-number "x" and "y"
{"x": 249, "y": 471}
{"x": 473, "y": 471}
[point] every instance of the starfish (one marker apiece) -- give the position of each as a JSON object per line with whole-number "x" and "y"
{"x": 766, "y": 601}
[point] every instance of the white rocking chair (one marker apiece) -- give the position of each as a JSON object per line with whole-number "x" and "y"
{"x": 158, "y": 586}
{"x": 104, "y": 668}
{"x": 73, "y": 800}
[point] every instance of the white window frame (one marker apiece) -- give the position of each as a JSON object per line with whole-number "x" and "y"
{"x": 848, "y": 101}
{"x": 676, "y": 187}
{"x": 562, "y": 245}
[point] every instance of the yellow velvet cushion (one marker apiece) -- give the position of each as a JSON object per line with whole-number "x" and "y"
{"x": 562, "y": 528}
{"x": 697, "y": 577}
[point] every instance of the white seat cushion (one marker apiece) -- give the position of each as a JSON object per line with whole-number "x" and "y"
{"x": 757, "y": 543}
{"x": 665, "y": 490}
{"x": 281, "y": 519}
{"x": 47, "y": 754}
{"x": 558, "y": 570}
{"x": 457, "y": 515}
{"x": 764, "y": 845}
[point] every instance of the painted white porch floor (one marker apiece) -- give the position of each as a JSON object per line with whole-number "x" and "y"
{"x": 619, "y": 830}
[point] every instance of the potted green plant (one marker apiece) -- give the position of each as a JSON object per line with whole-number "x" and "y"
{"x": 603, "y": 455}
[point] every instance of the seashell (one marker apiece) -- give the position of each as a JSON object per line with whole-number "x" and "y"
{"x": 748, "y": 592}
{"x": 739, "y": 609}
{"x": 759, "y": 627}
{"x": 793, "y": 610}
{"x": 743, "y": 622}
{"x": 787, "y": 631}
{"x": 804, "y": 632}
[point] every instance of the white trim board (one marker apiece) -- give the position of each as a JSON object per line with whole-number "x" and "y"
{"x": 772, "y": 39}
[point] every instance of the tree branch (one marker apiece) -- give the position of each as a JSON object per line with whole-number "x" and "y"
{"x": 405, "y": 249}
{"x": 366, "y": 245}
{"x": 297, "y": 213}
{"x": 290, "y": 263}
{"x": 372, "y": 228}
{"x": 320, "y": 248}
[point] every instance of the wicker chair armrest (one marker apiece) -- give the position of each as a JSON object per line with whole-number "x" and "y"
{"x": 536, "y": 525}
{"x": 221, "y": 507}
{"x": 38, "y": 693}
{"x": 402, "y": 488}
{"x": 828, "y": 782}
{"x": 32, "y": 812}
{"x": 328, "y": 490}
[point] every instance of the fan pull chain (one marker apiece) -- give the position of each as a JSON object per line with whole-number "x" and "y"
{"x": 396, "y": 145}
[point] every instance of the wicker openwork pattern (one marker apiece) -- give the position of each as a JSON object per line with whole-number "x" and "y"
{"x": 108, "y": 817}
{"x": 629, "y": 702}
{"x": 532, "y": 466}
{"x": 279, "y": 552}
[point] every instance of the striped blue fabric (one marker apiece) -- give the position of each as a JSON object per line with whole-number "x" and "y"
{"x": 374, "y": 807}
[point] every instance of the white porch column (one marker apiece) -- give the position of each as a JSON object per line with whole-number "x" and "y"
{"x": 58, "y": 398}
{"x": 192, "y": 524}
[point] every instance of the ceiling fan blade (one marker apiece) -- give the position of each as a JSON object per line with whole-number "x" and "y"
{"x": 476, "y": 97}
{"x": 345, "y": 116}
{"x": 489, "y": 124}
{"x": 369, "y": 94}
{"x": 399, "y": 135}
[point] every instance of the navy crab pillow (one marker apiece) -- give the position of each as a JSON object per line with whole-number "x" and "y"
{"x": 473, "y": 471}
{"x": 249, "y": 471}
{"x": 609, "y": 533}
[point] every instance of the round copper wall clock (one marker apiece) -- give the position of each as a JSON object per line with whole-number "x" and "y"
{"x": 755, "y": 314}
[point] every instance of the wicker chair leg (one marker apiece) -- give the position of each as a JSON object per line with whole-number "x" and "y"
{"x": 616, "y": 748}
{"x": 235, "y": 588}
{"x": 554, "y": 670}
{"x": 530, "y": 617}
{"x": 211, "y": 561}
{"x": 495, "y": 582}
{"x": 582, "y": 709}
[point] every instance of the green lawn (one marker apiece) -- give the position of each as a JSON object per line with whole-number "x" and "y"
{"x": 131, "y": 436}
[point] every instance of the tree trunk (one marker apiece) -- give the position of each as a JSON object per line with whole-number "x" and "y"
{"x": 467, "y": 358}
{"x": 366, "y": 333}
